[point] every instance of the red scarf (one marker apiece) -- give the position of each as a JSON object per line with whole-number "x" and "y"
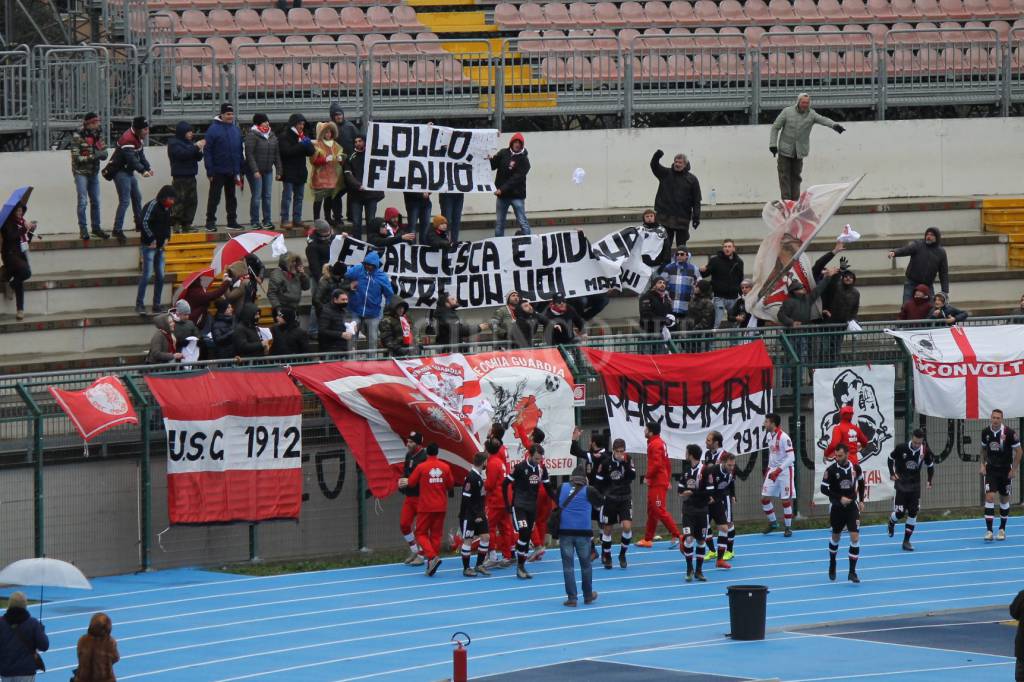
{"x": 170, "y": 341}
{"x": 406, "y": 330}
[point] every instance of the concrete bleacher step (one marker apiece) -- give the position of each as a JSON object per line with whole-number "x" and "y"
{"x": 80, "y": 331}
{"x": 75, "y": 291}
{"x": 1006, "y": 216}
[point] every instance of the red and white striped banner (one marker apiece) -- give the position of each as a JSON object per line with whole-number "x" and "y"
{"x": 234, "y": 445}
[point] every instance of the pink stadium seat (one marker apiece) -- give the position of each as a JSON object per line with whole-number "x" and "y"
{"x": 929, "y": 9}
{"x": 655, "y": 38}
{"x": 222, "y": 22}
{"x": 399, "y": 73}
{"x": 301, "y": 20}
{"x": 605, "y": 67}
{"x": 856, "y": 10}
{"x": 1002, "y": 29}
{"x": 805, "y": 35}
{"x": 244, "y": 77}
{"x": 425, "y": 73}
{"x": 276, "y": 22}
{"x": 403, "y": 45}
{"x": 350, "y": 45}
{"x": 323, "y": 45}
{"x": 932, "y": 36}
{"x": 354, "y": 20}
{"x": 377, "y": 75}
{"x": 658, "y": 13}
{"x": 881, "y": 10}
{"x": 679, "y": 66}
{"x": 271, "y": 47}
{"x": 533, "y": 15}
{"x": 807, "y": 10}
{"x": 557, "y": 14}
{"x": 429, "y": 43}
{"x": 297, "y": 46}
{"x": 190, "y": 79}
{"x": 781, "y": 10}
{"x": 194, "y": 23}
{"x": 381, "y": 20}
{"x": 179, "y": 5}
{"x": 554, "y": 41}
{"x": 831, "y": 10}
{"x": 183, "y": 51}
{"x": 506, "y": 15}
{"x": 451, "y": 71}
{"x": 707, "y": 12}
{"x": 376, "y": 44}
{"x": 633, "y": 14}
{"x": 758, "y": 12}
{"x": 682, "y": 13}
{"x": 249, "y": 22}
{"x": 319, "y": 75}
{"x": 244, "y": 47}
{"x": 294, "y": 77}
{"x": 857, "y": 63}
{"x": 954, "y": 9}
{"x": 705, "y": 36}
{"x": 347, "y": 74}
{"x": 627, "y": 37}
{"x": 605, "y": 39}
{"x": 877, "y": 31}
{"x": 780, "y": 36}
{"x": 953, "y": 33}
{"x": 205, "y": 5}
{"x": 581, "y": 40}
{"x": 554, "y": 69}
{"x": 232, "y": 4}
{"x": 754, "y": 34}
{"x": 778, "y": 65}
{"x": 979, "y": 9}
{"x": 405, "y": 17}
{"x": 653, "y": 67}
{"x": 731, "y": 36}
{"x": 705, "y": 66}
{"x": 267, "y": 76}
{"x": 327, "y": 19}
{"x": 681, "y": 38}
{"x": 582, "y": 14}
{"x": 999, "y": 8}
{"x": 529, "y": 42}
{"x": 806, "y": 65}
{"x": 829, "y": 34}
{"x": 906, "y": 10}
{"x": 221, "y": 48}
{"x": 732, "y": 12}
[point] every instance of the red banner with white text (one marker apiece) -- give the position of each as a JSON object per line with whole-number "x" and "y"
{"x": 234, "y": 445}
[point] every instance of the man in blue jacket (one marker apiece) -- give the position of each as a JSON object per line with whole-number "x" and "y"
{"x": 373, "y": 291}
{"x": 574, "y": 533}
{"x": 223, "y": 158}
{"x": 21, "y": 636}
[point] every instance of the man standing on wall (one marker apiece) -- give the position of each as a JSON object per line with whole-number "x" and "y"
{"x": 791, "y": 141}
{"x": 511, "y": 166}
{"x": 677, "y": 203}
{"x": 87, "y": 150}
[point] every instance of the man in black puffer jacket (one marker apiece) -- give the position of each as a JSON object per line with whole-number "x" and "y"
{"x": 677, "y": 203}
{"x": 294, "y": 147}
{"x": 927, "y": 259}
{"x": 155, "y": 226}
{"x": 246, "y": 337}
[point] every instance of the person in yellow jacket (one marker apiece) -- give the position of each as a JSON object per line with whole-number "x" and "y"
{"x": 326, "y": 173}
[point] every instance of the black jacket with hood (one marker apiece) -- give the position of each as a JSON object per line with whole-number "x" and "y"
{"x": 289, "y": 338}
{"x": 678, "y": 191}
{"x": 246, "y": 337}
{"x": 450, "y": 329}
{"x": 222, "y": 330}
{"x": 183, "y": 154}
{"x": 332, "y": 321}
{"x": 926, "y": 261}
{"x": 511, "y": 169}
{"x": 347, "y": 130}
{"x": 156, "y": 219}
{"x": 842, "y": 302}
{"x": 21, "y": 636}
{"x": 294, "y": 152}
{"x": 390, "y": 331}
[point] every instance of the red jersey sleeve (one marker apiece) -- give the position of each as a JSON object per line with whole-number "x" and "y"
{"x": 837, "y": 438}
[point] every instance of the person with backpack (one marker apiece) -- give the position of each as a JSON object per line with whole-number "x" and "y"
{"x": 576, "y": 499}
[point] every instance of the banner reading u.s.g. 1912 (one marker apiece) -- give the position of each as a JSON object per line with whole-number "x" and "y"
{"x": 409, "y": 157}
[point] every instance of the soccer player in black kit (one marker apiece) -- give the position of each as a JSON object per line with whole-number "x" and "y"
{"x": 905, "y": 464}
{"x": 615, "y": 476}
{"x": 843, "y": 484}
{"x": 525, "y": 480}
{"x": 473, "y": 518}
{"x": 591, "y": 462}
{"x": 696, "y": 488}
{"x": 716, "y": 454}
{"x": 720, "y": 509}
{"x": 1000, "y": 458}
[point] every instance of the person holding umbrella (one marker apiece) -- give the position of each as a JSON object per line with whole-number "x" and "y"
{"x": 16, "y": 234}
{"x": 21, "y": 637}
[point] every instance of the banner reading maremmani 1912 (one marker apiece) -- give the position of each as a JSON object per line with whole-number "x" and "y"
{"x": 482, "y": 273}
{"x": 871, "y": 391}
{"x": 411, "y": 157}
{"x": 690, "y": 394}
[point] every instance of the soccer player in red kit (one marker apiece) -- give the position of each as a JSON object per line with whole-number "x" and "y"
{"x": 847, "y": 433}
{"x": 414, "y": 455}
{"x": 659, "y": 471}
{"x": 434, "y": 478}
{"x": 498, "y": 520}
{"x": 544, "y": 506}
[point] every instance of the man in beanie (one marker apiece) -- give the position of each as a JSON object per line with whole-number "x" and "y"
{"x": 362, "y": 202}
{"x": 223, "y": 160}
{"x": 799, "y": 308}
{"x": 438, "y": 234}
{"x": 295, "y": 147}
{"x": 433, "y": 478}
{"x": 87, "y": 151}
{"x": 21, "y": 636}
{"x": 184, "y": 154}
{"x": 927, "y": 259}
{"x": 261, "y": 158}
{"x": 131, "y": 159}
{"x": 347, "y": 130}
{"x": 184, "y": 327}
{"x": 577, "y": 500}
{"x": 791, "y": 139}
{"x": 677, "y": 202}
{"x": 511, "y": 167}
{"x": 156, "y": 230}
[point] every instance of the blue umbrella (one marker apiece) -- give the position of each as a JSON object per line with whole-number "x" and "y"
{"x": 18, "y": 196}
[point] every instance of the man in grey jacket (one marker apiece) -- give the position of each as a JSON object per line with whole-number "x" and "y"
{"x": 791, "y": 141}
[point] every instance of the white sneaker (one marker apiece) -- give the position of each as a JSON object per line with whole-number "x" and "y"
{"x": 988, "y": 536}
{"x": 411, "y": 558}
{"x": 1001, "y": 535}
{"x": 418, "y": 561}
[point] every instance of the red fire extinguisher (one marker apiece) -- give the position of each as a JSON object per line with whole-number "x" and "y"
{"x": 460, "y": 660}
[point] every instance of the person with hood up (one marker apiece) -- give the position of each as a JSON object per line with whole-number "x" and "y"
{"x": 347, "y": 131}
{"x": 130, "y": 159}
{"x": 335, "y": 333}
{"x": 522, "y": 333}
{"x": 564, "y": 324}
{"x": 223, "y": 159}
{"x": 798, "y": 308}
{"x": 294, "y": 147}
{"x": 21, "y": 636}
{"x": 16, "y": 235}
{"x": 840, "y": 305}
{"x": 184, "y": 154}
{"x": 919, "y": 307}
{"x": 656, "y": 308}
{"x": 438, "y": 236}
{"x": 362, "y": 202}
{"x": 944, "y": 313}
{"x": 156, "y": 231}
{"x": 199, "y": 300}
{"x": 326, "y": 175}
{"x": 288, "y": 282}
{"x": 245, "y": 337}
{"x": 847, "y": 433}
{"x": 701, "y": 315}
{"x": 677, "y": 203}
{"x": 241, "y": 279}
{"x": 331, "y": 277}
{"x": 261, "y": 158}
{"x": 927, "y": 259}
{"x": 318, "y": 254}
{"x": 222, "y": 329}
{"x": 97, "y": 652}
{"x": 162, "y": 347}
{"x": 790, "y": 138}
{"x": 288, "y": 337}
{"x": 373, "y": 290}
{"x": 396, "y": 332}
{"x": 87, "y": 150}
{"x": 450, "y": 329}
{"x": 504, "y": 318}
{"x": 381, "y": 234}
{"x": 511, "y": 167}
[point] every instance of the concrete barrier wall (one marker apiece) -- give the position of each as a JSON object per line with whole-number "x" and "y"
{"x": 922, "y": 158}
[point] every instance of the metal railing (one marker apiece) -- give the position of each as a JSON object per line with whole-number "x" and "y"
{"x": 16, "y": 104}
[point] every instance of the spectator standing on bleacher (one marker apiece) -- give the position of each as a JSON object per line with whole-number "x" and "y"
{"x": 325, "y": 174}
{"x": 131, "y": 159}
{"x": 373, "y": 290}
{"x": 656, "y": 308}
{"x": 246, "y": 336}
{"x": 294, "y": 146}
{"x": 681, "y": 277}
{"x": 16, "y": 235}
{"x": 335, "y": 333}
{"x": 223, "y": 158}
{"x": 944, "y": 313}
{"x": 919, "y": 306}
{"x": 261, "y": 158}
{"x": 156, "y": 231}
{"x": 451, "y": 204}
{"x": 511, "y": 167}
{"x": 677, "y": 203}
{"x": 397, "y": 335}
{"x": 417, "y": 210}
{"x": 362, "y": 202}
{"x": 725, "y": 269}
{"x": 162, "y": 346}
{"x": 287, "y": 283}
{"x": 564, "y": 324}
{"x": 790, "y": 139}
{"x": 927, "y": 259}
{"x": 184, "y": 155}
{"x": 87, "y": 150}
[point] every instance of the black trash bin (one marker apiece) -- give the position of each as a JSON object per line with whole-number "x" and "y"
{"x": 748, "y": 605}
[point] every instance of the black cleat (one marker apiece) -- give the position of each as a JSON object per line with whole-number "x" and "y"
{"x": 606, "y": 561}
{"x": 832, "y": 571}
{"x": 907, "y": 547}
{"x": 788, "y": 533}
{"x": 689, "y": 575}
{"x": 772, "y": 526}
{"x": 892, "y": 527}
{"x": 622, "y": 560}
{"x": 522, "y": 574}
{"x": 699, "y": 575}
{"x": 852, "y": 577}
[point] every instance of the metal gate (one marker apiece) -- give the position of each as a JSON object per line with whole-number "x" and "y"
{"x": 67, "y": 82}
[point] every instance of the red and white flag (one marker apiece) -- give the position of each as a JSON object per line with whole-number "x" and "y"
{"x": 729, "y": 391}
{"x": 966, "y": 372}
{"x": 375, "y": 406}
{"x": 101, "y": 406}
{"x": 234, "y": 445}
{"x": 452, "y": 383}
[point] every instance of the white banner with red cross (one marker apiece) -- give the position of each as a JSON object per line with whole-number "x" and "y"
{"x": 966, "y": 372}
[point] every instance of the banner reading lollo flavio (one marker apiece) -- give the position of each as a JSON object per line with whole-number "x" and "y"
{"x": 234, "y": 445}
{"x": 690, "y": 394}
{"x": 482, "y": 273}
{"x": 411, "y": 157}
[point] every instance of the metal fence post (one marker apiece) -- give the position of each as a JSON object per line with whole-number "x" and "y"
{"x": 361, "y": 499}
{"x": 755, "y": 83}
{"x": 145, "y": 478}
{"x": 883, "y": 78}
{"x": 1006, "y": 73}
{"x": 37, "y": 460}
{"x": 628, "y": 79}
{"x": 499, "y": 89}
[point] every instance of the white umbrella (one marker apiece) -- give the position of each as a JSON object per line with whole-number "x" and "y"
{"x": 44, "y": 573}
